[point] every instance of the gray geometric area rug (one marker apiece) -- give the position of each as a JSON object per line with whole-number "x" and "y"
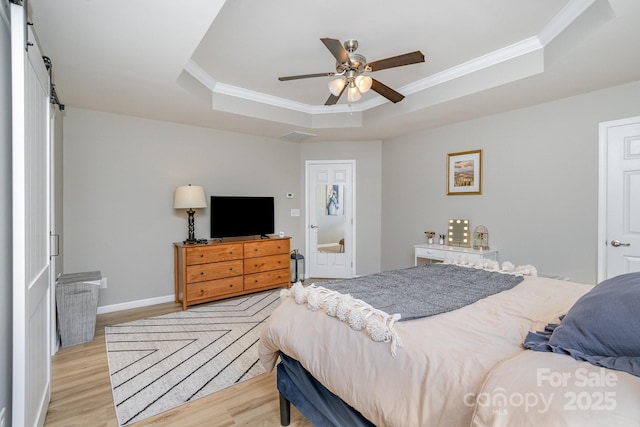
{"x": 162, "y": 362}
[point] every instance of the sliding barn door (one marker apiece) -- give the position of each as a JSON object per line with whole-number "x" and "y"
{"x": 30, "y": 163}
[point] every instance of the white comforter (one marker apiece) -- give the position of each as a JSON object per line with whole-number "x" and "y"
{"x": 548, "y": 389}
{"x": 442, "y": 365}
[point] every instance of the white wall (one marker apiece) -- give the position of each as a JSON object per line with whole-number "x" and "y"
{"x": 6, "y": 248}
{"x": 120, "y": 174}
{"x": 540, "y": 183}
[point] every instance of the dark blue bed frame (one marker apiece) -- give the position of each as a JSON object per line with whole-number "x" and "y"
{"x": 323, "y": 408}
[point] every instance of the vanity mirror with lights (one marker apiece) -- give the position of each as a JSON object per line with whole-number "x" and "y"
{"x": 458, "y": 233}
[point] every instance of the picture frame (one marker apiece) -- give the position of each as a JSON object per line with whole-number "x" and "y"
{"x": 464, "y": 173}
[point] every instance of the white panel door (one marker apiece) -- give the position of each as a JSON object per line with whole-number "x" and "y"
{"x": 330, "y": 216}
{"x": 30, "y": 164}
{"x": 619, "y": 245}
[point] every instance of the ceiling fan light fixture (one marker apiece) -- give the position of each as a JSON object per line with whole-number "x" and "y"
{"x": 350, "y": 66}
{"x": 353, "y": 94}
{"x": 336, "y": 86}
{"x": 364, "y": 83}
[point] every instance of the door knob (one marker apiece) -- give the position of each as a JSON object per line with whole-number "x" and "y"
{"x": 314, "y": 226}
{"x": 617, "y": 243}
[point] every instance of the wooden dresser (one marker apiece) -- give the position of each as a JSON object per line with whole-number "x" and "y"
{"x": 213, "y": 271}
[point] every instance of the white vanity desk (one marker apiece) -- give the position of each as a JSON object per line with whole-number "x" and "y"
{"x": 442, "y": 252}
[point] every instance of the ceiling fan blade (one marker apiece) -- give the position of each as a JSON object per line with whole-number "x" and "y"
{"x": 386, "y": 91}
{"x": 306, "y": 76}
{"x": 333, "y": 100}
{"x": 337, "y": 50}
{"x": 397, "y": 61}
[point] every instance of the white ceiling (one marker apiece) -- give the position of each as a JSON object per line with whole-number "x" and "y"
{"x": 215, "y": 63}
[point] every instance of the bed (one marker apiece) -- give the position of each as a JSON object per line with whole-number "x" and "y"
{"x": 460, "y": 367}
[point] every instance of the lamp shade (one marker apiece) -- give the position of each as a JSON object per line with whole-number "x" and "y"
{"x": 364, "y": 83}
{"x": 336, "y": 86}
{"x": 189, "y": 197}
{"x": 353, "y": 94}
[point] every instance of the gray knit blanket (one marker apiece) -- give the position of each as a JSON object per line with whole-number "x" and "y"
{"x": 425, "y": 290}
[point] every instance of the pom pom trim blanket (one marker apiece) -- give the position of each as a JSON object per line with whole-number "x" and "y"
{"x": 374, "y": 303}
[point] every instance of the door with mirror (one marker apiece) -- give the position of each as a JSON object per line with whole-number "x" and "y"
{"x": 330, "y": 213}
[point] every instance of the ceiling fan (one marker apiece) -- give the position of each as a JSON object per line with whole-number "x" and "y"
{"x": 352, "y": 66}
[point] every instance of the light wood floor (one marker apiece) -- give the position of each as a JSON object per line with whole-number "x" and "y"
{"x": 81, "y": 389}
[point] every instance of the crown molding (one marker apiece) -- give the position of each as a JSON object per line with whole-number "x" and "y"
{"x": 200, "y": 74}
{"x": 261, "y": 98}
{"x": 496, "y": 57}
{"x": 564, "y": 18}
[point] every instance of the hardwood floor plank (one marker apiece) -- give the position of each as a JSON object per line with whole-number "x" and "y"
{"x": 81, "y": 389}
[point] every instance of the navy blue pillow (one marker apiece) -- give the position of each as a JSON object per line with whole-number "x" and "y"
{"x": 602, "y": 327}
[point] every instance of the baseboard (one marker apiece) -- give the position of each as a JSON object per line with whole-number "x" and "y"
{"x": 135, "y": 304}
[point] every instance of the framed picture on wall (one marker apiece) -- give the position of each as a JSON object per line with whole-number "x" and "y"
{"x": 464, "y": 173}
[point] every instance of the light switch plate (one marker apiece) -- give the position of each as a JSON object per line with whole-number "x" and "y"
{"x": 289, "y": 195}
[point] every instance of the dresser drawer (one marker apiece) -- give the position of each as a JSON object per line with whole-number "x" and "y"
{"x": 216, "y": 270}
{"x": 471, "y": 255}
{"x": 266, "y": 263}
{"x": 217, "y": 253}
{"x": 266, "y": 247}
{"x": 461, "y": 255}
{"x": 430, "y": 253}
{"x": 266, "y": 279}
{"x": 213, "y": 288}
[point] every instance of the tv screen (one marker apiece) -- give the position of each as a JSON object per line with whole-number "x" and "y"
{"x": 233, "y": 216}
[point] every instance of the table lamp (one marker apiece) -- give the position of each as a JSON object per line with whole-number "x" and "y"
{"x": 190, "y": 197}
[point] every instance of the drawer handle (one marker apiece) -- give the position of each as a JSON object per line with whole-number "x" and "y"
{"x": 231, "y": 286}
{"x": 201, "y": 273}
{"x": 255, "y": 281}
{"x": 201, "y": 255}
{"x": 202, "y": 291}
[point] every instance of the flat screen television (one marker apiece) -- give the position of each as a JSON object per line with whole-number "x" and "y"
{"x": 233, "y": 216}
